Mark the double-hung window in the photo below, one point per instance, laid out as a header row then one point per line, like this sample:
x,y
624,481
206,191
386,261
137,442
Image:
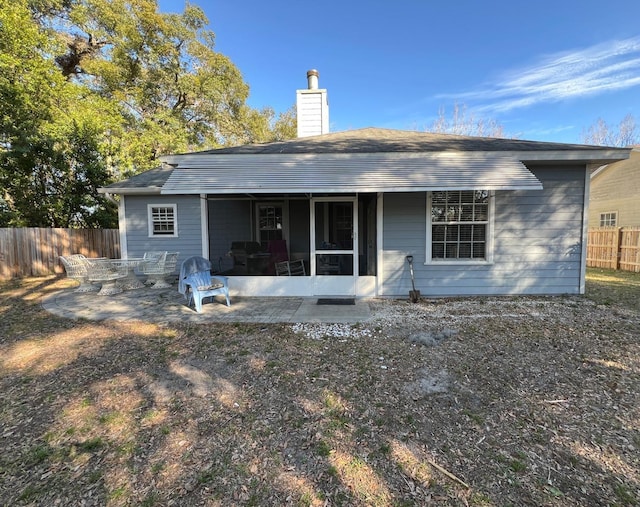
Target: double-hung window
x,y
162,220
460,225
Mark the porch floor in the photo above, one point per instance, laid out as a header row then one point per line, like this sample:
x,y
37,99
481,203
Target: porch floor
x,y
167,305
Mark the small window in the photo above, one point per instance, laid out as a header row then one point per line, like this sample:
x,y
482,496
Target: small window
x,y
608,219
459,225
269,222
162,220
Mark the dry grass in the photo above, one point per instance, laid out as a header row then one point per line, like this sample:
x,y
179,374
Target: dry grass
x,y
481,402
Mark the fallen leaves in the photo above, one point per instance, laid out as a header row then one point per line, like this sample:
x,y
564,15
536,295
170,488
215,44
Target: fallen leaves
x,y
478,401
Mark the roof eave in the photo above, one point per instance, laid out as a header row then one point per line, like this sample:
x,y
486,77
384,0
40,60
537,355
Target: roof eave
x,y
347,190
604,156
130,190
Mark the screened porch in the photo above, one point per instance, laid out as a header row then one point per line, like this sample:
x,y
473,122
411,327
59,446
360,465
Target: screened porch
x,y
328,235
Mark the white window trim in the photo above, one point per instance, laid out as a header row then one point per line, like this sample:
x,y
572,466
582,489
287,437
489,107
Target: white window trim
x,y
150,220
284,204
610,213
462,262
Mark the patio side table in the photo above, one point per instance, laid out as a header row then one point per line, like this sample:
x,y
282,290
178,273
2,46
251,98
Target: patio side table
x,y
107,274
127,266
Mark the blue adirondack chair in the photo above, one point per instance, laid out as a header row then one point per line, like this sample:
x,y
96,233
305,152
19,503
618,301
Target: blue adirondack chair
x,y
202,285
189,266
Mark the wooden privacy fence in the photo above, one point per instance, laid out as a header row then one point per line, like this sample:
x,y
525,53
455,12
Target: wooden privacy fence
x,y
34,252
614,248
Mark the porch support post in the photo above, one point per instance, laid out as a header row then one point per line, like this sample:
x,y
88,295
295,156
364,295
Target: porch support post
x,y
312,238
204,225
379,237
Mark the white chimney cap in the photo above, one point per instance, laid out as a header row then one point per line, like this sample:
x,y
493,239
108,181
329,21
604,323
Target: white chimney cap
x,y
312,79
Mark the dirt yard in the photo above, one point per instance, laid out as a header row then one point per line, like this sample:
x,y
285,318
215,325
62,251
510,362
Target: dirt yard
x,y
469,402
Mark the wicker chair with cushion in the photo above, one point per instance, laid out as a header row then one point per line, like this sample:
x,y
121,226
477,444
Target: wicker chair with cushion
x,y
203,285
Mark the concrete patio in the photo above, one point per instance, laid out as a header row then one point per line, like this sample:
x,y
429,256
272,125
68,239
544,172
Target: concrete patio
x,y
167,305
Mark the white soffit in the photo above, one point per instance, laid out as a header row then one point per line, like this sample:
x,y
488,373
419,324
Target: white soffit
x,y
333,173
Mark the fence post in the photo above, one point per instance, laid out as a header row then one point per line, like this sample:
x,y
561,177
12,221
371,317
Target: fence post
x,y
618,245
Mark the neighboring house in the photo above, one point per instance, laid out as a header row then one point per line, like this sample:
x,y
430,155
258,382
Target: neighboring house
x,y
479,216
614,198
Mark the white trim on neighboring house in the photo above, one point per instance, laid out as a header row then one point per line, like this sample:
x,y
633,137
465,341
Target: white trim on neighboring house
x,y
122,228
598,171
608,216
585,230
204,225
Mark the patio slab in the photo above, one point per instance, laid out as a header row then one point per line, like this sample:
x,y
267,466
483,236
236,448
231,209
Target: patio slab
x,y
167,305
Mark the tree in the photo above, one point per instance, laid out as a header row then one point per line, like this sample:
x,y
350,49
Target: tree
x,y
50,164
264,127
603,134
285,126
96,90
176,92
464,124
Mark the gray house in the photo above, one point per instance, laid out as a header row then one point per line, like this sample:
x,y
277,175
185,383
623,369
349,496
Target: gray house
x,y
480,216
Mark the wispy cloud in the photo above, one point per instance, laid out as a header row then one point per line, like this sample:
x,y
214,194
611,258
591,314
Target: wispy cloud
x,y
606,67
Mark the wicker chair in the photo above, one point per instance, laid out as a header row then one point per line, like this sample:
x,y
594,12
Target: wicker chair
x,y
77,267
159,266
203,285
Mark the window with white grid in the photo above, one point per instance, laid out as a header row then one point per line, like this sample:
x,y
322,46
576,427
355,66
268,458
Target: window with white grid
x,y
162,219
608,219
459,225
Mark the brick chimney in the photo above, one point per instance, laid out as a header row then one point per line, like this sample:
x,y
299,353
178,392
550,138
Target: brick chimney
x,y
312,108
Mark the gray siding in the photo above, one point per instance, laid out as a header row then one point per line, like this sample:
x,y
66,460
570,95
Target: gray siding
x,y
537,242
189,239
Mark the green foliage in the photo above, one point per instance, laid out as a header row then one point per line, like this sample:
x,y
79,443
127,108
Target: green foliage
x,y
92,91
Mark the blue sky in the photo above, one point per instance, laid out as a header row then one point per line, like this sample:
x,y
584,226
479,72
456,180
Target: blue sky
x,y
544,70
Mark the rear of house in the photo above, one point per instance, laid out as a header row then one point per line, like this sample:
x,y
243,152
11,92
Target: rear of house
x,y
479,216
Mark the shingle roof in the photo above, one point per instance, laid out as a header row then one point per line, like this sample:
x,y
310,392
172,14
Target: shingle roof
x,y
377,140
358,143
151,179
